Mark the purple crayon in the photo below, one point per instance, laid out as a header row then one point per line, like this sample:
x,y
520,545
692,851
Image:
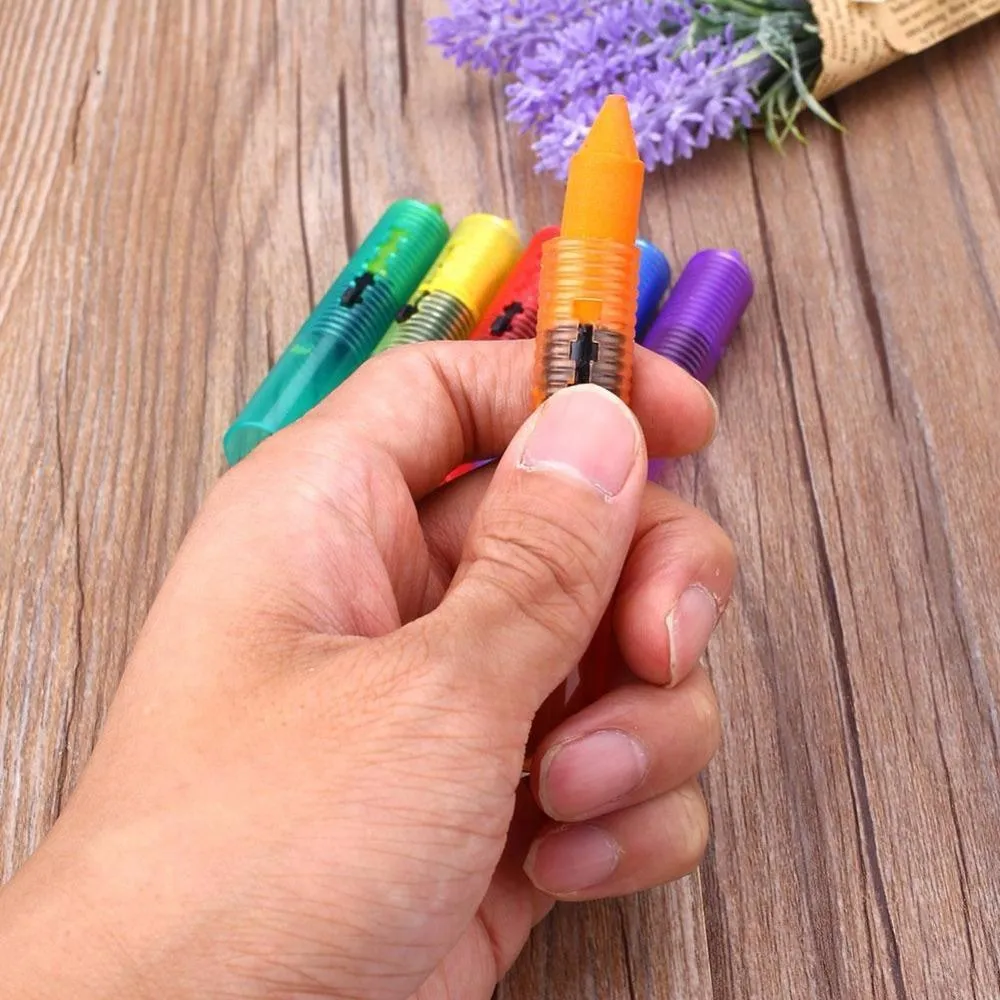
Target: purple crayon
x,y
701,314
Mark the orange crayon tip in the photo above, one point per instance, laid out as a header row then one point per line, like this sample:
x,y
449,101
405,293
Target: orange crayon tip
x,y
604,187
611,134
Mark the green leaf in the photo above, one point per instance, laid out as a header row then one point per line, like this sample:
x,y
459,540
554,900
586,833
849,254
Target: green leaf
x,y
805,95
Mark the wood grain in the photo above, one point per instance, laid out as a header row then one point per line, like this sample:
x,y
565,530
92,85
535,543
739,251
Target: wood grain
x,y
179,182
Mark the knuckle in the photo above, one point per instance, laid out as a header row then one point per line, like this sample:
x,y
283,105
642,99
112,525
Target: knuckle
x,y
405,362
449,381
451,377
709,540
687,532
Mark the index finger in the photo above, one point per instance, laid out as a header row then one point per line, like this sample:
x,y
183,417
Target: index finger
x,y
430,407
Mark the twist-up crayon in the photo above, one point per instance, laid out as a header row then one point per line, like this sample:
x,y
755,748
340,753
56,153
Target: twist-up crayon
x,y
699,318
589,279
513,313
514,310
348,322
459,286
702,312
654,280
586,327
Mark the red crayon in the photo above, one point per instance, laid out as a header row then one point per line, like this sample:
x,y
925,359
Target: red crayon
x,y
514,309
512,313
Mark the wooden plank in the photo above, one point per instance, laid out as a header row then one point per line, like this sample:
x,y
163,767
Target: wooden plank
x,y
779,791
651,946
41,613
163,232
939,699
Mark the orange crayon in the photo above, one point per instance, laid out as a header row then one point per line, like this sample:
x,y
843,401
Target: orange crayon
x,y
590,272
588,293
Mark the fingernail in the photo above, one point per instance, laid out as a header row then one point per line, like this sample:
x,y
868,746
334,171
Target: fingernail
x,y
715,415
571,859
582,777
587,433
689,627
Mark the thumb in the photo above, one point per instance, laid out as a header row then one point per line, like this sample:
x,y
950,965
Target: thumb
x,y
544,551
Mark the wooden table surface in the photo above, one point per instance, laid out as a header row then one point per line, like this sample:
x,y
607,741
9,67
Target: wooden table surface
x,y
180,181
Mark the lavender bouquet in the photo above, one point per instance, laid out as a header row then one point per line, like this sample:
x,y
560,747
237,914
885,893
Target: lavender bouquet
x,y
692,72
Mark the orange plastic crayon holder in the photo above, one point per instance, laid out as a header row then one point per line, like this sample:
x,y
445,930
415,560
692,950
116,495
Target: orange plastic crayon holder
x,y
586,316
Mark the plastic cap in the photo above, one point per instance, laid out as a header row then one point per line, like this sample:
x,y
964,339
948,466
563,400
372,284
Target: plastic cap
x,y
654,279
482,250
702,312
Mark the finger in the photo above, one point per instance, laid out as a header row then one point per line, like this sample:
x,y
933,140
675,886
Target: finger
x,y
328,501
445,517
638,848
544,549
432,406
634,744
675,585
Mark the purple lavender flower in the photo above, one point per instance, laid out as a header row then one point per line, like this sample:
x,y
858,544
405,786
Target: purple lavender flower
x,y
680,95
692,70
497,34
587,59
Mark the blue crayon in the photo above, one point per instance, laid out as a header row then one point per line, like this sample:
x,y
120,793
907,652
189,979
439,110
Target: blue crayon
x,y
654,279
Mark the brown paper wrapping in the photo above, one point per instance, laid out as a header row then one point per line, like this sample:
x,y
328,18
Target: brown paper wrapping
x,y
862,36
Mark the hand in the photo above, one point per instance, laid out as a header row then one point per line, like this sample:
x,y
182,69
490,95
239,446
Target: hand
x,y
309,783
